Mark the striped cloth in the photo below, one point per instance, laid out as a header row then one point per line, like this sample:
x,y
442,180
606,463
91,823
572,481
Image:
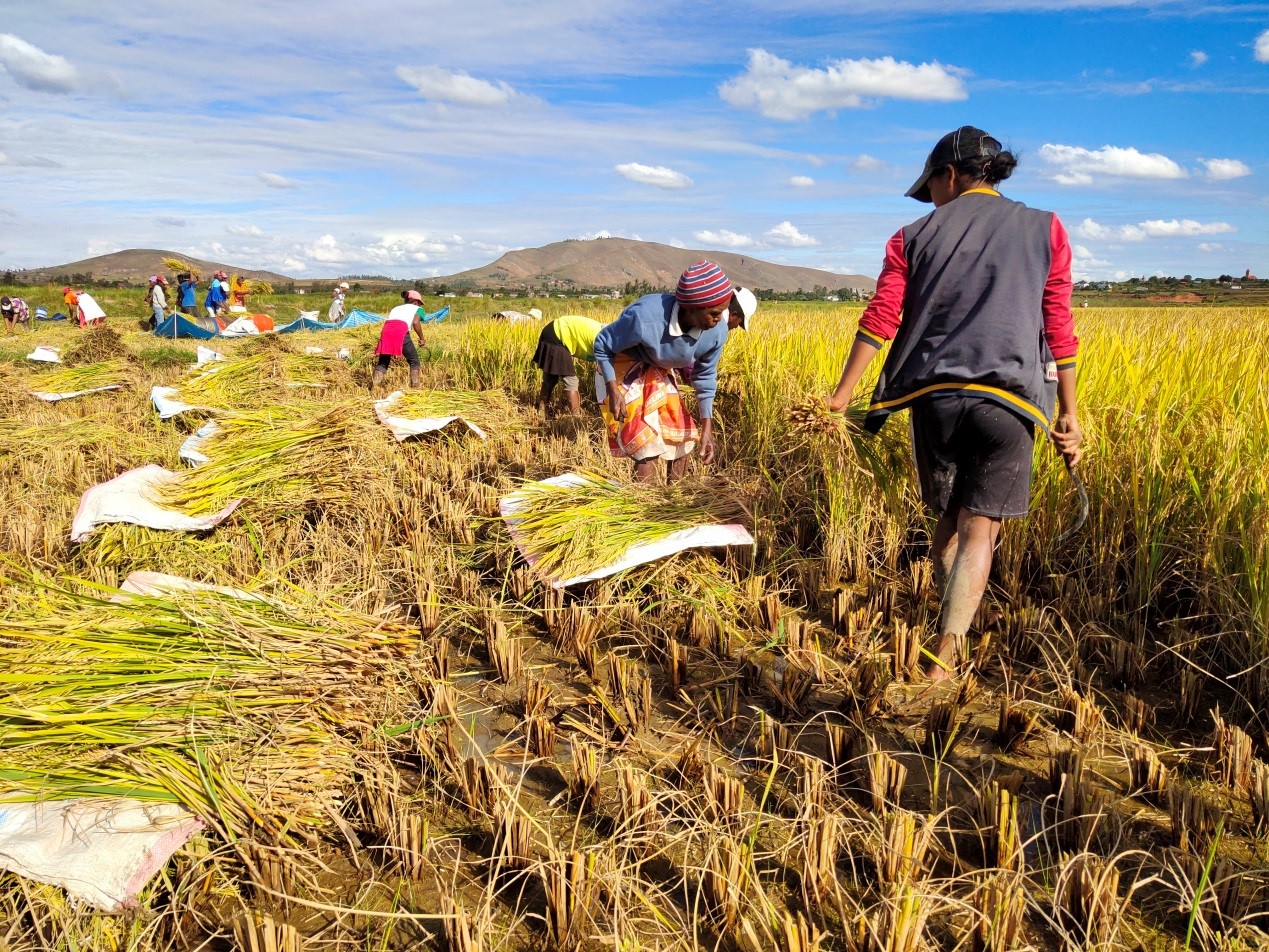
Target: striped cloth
x,y
703,285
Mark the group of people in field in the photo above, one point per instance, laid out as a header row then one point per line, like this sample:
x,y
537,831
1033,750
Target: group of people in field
x,y
220,295
975,300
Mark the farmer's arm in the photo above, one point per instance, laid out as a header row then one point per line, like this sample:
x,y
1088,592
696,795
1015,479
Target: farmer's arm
x,y
416,325
878,324
620,335
1059,334
705,383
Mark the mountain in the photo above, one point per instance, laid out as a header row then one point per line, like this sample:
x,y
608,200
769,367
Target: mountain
x,y
137,264
615,262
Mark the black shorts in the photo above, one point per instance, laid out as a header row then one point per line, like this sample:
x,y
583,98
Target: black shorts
x,y
408,351
974,454
552,357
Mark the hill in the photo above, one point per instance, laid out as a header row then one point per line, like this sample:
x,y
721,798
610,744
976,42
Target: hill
x,y
136,265
616,262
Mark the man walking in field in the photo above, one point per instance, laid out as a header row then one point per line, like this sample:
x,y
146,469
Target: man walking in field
x,y
977,299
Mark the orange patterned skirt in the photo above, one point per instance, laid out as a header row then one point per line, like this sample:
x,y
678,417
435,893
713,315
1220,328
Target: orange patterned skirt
x,y
656,423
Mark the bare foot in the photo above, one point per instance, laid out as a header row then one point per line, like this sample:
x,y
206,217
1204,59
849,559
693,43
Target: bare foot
x,y
944,665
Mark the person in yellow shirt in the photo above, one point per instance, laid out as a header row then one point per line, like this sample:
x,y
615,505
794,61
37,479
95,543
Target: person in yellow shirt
x,y
562,342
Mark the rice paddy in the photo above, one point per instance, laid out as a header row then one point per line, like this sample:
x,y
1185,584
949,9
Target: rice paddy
x,y
402,738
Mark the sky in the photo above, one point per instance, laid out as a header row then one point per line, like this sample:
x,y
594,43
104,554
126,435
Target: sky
x,y
417,139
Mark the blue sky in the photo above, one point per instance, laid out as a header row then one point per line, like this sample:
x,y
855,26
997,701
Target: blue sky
x,y
422,138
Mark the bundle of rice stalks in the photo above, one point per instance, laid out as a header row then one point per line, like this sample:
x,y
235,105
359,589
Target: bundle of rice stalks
x,y
178,266
570,530
99,343
259,287
811,418
248,381
488,409
243,710
108,373
272,456
812,415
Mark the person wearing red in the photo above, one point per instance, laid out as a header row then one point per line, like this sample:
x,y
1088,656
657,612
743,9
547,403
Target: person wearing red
x,y
394,338
976,297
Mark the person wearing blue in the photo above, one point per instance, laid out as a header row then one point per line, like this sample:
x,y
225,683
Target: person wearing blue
x,y
215,295
636,383
187,291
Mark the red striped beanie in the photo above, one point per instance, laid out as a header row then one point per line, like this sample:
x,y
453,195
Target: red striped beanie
x,y
703,285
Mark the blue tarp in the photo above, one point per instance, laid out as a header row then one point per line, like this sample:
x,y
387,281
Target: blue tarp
x,y
178,325
436,316
306,324
354,319
358,318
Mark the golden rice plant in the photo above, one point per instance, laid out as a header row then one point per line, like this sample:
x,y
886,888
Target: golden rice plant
x,y
491,410
107,373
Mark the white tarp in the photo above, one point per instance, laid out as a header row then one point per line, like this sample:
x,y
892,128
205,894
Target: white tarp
x,y
240,328
192,449
405,427
89,309
48,355
130,496
54,397
698,537
206,356
101,852
167,405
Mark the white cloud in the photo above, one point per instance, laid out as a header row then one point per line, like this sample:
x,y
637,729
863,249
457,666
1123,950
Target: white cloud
x,y
1156,228
389,250
1083,259
249,231
786,235
166,221
657,175
1221,170
676,243
802,181
723,239
291,264
1078,166
1197,58
31,67
456,87
867,164
273,180
779,90
1210,246
1262,47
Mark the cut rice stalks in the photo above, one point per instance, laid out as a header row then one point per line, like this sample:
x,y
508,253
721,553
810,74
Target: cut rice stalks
x,y
245,382
97,344
273,456
488,409
571,530
107,373
240,709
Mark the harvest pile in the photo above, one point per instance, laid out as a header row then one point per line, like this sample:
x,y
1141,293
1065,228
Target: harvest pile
x,y
412,742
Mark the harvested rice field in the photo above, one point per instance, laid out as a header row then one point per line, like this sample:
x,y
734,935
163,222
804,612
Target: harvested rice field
x,y
394,735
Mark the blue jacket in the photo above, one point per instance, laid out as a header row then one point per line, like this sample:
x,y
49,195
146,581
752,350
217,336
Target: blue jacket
x,y
215,296
187,294
643,331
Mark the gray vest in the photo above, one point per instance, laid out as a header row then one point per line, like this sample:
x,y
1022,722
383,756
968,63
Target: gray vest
x,y
973,320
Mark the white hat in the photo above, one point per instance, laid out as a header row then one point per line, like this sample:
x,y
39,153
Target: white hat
x,y
535,314
748,306
343,285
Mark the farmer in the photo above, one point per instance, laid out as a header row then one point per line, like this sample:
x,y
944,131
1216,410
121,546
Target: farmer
x,y
337,296
240,292
977,298
186,289
562,342
394,338
216,296
71,300
637,356
743,306
158,299
15,312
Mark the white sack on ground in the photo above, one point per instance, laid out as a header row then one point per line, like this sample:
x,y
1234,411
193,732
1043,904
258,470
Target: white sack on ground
x,y
165,402
206,356
240,328
192,449
101,852
405,427
129,498
698,537
46,354
54,397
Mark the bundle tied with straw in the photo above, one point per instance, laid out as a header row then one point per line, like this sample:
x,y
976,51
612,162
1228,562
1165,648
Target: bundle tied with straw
x,y
488,409
273,456
239,708
568,531
107,373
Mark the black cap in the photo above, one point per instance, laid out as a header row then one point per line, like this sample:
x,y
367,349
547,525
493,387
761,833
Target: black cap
x,y
967,142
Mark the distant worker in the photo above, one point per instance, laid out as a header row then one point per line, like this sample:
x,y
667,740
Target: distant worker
x,y
743,306
337,295
638,355
15,313
71,300
977,299
187,291
158,300
394,338
561,344
240,291
216,296
517,317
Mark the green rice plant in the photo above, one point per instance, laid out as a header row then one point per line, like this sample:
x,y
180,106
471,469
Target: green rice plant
x,y
569,530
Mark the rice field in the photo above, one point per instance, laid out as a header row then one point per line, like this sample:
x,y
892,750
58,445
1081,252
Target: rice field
x,y
403,739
